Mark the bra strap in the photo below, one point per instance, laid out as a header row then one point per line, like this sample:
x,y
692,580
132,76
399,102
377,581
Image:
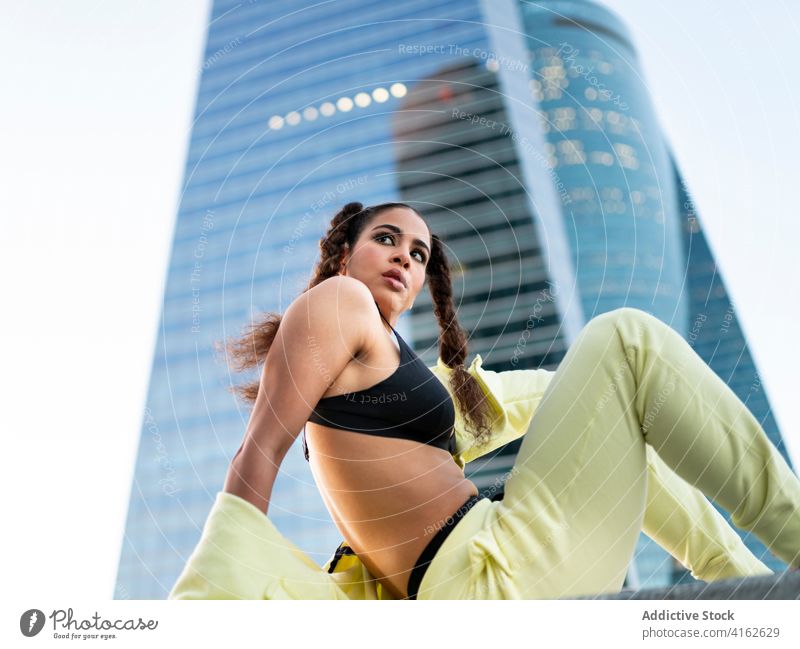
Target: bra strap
x,y
384,319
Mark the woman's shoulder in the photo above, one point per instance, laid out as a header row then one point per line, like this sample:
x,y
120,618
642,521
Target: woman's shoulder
x,y
342,284
341,293
339,299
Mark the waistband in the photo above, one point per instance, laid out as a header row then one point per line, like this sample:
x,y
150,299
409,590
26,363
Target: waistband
x,y
425,558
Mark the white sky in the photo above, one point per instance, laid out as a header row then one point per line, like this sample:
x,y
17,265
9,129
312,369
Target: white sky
x,y
96,112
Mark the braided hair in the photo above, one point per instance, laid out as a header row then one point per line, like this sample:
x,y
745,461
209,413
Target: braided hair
x,y
250,350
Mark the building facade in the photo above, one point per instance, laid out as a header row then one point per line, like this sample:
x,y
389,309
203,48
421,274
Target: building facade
x,y
635,235
476,113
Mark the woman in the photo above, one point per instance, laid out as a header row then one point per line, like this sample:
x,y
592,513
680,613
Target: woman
x,y
380,433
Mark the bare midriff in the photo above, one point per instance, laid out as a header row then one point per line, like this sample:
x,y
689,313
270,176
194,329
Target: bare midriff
x,y
387,496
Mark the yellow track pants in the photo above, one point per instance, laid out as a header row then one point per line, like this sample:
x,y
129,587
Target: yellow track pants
x,y
577,496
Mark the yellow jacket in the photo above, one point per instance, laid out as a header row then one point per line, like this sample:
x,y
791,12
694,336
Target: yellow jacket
x,y
242,555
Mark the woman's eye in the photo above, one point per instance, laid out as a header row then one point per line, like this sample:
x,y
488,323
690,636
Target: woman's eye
x,y
391,238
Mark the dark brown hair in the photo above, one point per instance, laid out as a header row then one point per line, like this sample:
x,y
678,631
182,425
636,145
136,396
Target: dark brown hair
x,y
250,350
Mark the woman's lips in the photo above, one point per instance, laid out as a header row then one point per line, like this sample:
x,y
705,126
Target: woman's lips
x,y
394,283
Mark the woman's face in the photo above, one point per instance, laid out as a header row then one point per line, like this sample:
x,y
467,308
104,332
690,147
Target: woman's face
x,y
396,240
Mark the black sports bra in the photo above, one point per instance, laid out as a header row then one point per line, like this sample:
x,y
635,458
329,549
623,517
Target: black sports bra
x,y
410,404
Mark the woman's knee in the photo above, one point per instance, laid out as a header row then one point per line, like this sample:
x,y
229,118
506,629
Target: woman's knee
x,y
625,314
627,323
619,334
607,325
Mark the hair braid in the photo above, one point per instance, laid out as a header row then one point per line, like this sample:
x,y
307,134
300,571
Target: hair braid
x,y
453,345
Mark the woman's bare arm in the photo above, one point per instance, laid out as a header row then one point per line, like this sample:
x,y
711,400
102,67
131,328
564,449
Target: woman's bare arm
x,y
320,332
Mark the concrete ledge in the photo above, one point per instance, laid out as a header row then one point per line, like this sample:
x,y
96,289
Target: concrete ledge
x,y
782,585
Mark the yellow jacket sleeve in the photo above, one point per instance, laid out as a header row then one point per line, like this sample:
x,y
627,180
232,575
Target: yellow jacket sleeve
x,y
513,395
242,555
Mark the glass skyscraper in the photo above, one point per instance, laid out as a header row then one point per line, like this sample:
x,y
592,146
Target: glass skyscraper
x,y
635,236
555,205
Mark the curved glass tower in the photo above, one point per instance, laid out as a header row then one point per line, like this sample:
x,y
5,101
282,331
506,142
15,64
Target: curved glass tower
x,y
522,131
606,147
635,237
